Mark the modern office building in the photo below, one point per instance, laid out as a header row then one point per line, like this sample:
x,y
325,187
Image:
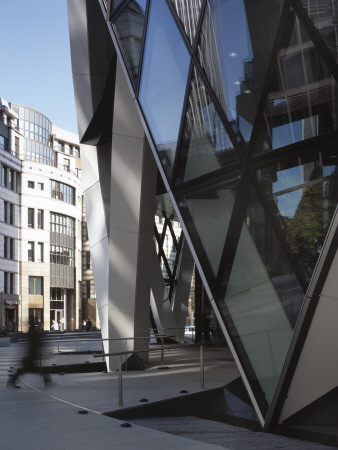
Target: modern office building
x,y
41,221
224,112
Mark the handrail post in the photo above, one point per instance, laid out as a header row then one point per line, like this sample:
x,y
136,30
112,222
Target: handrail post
x,y
120,381
201,366
162,351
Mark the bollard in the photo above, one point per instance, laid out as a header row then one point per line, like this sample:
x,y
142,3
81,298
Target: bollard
x,y
202,367
120,381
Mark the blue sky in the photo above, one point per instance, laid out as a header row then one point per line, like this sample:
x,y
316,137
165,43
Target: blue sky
x,y
35,58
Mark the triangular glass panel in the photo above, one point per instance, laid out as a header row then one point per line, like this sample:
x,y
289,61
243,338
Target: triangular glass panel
x,y
129,27
163,84
304,191
262,301
324,16
234,50
205,145
188,12
207,214
302,101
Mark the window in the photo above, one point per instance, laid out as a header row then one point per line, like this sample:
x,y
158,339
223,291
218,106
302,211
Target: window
x,y
11,283
11,213
66,164
31,184
4,175
11,179
62,224
30,251
62,192
6,282
88,288
35,285
77,152
3,143
88,260
40,252
5,211
11,248
62,255
40,219
31,217
8,247
6,244
17,142
40,186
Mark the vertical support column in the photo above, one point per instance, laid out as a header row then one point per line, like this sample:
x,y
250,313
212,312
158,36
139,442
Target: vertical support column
x,y
132,209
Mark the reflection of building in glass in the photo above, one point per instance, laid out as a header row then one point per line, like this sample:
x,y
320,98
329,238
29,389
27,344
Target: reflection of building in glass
x,y
42,213
237,101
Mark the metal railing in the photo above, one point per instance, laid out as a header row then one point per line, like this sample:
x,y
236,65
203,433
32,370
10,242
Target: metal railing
x,y
120,354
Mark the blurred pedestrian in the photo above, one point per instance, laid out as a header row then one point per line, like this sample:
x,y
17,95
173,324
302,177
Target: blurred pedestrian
x,y
89,324
32,360
55,325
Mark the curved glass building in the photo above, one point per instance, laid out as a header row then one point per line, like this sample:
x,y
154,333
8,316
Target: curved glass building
x,y
238,102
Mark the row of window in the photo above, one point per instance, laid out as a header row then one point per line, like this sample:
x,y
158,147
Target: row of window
x,y
67,148
60,223
64,192
35,287
34,131
38,220
39,186
62,255
9,210
9,178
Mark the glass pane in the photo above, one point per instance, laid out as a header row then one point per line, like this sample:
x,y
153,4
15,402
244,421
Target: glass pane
x,y
163,82
188,11
208,213
129,29
205,145
261,325
305,193
302,100
234,52
324,15
31,286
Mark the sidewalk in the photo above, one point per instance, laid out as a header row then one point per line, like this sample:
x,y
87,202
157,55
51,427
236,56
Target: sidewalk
x,y
68,415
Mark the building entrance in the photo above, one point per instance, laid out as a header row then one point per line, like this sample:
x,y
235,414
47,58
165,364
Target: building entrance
x,y
58,316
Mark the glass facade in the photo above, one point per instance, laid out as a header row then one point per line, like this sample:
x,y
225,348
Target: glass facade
x,y
240,101
163,80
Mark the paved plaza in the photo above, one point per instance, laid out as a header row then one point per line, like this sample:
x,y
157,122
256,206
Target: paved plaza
x,y
69,414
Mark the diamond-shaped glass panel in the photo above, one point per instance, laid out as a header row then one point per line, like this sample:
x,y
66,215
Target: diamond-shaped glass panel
x,y
302,102
207,214
234,50
262,300
163,82
188,11
129,27
305,193
324,15
205,144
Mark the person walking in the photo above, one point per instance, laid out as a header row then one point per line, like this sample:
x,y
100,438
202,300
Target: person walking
x,y
33,355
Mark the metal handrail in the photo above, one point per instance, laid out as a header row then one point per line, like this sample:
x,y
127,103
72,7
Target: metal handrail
x,y
120,354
